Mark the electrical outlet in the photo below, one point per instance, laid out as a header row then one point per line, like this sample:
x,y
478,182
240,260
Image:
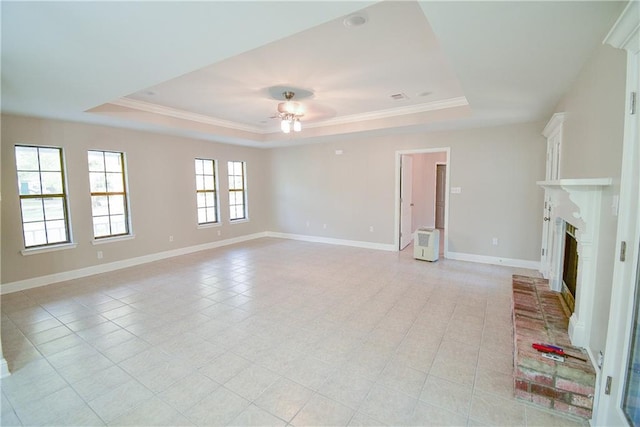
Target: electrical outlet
x,y
371,229
456,190
219,232
171,238
99,254
494,241
324,226
308,223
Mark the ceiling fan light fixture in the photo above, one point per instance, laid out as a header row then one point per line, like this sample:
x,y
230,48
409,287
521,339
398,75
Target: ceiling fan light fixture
x,y
290,113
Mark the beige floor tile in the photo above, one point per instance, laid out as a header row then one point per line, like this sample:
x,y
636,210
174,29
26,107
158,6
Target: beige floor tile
x,y
494,410
284,398
50,407
119,400
322,411
224,367
538,417
429,415
346,387
252,381
388,406
254,416
152,412
101,382
498,383
219,408
362,420
188,391
402,377
447,395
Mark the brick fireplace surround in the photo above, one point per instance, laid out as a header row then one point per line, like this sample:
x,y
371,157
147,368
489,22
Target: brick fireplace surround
x,y
539,317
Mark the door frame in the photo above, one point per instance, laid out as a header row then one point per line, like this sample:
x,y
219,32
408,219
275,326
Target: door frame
x,y
608,407
398,156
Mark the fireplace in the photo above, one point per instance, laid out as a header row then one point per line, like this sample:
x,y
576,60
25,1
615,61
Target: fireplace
x,y
575,213
570,268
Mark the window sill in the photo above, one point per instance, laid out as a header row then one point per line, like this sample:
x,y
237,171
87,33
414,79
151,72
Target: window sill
x,y
209,225
238,221
112,239
44,249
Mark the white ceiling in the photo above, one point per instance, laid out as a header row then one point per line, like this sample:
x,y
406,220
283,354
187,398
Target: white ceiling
x,y
204,69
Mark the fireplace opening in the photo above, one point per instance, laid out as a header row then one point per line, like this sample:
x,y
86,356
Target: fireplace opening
x,y
570,267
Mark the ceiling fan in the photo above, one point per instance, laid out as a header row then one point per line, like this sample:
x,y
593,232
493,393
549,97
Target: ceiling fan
x,y
289,113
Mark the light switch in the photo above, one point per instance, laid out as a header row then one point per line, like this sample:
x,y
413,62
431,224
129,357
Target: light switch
x,y
456,190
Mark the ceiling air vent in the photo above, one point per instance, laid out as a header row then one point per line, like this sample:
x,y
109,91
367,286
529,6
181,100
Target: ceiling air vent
x,y
399,96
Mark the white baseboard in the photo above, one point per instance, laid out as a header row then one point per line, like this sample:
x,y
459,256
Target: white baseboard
x,y
35,282
483,259
331,241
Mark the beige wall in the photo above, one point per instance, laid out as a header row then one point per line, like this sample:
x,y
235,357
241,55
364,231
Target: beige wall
x,y
161,189
592,148
424,188
496,168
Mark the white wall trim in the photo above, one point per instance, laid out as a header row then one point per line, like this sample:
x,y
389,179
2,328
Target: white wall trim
x,y
35,282
332,241
484,259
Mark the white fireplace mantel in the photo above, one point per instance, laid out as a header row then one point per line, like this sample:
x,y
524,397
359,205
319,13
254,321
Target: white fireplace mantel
x,y
579,203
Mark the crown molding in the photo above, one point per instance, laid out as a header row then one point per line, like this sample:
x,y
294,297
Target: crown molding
x,y
625,33
183,114
393,112
373,115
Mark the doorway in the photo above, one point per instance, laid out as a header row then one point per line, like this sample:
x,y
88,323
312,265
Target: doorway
x,y
421,194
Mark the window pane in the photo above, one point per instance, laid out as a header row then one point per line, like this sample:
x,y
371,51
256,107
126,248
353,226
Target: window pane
x,y
199,182
231,182
96,161
202,215
199,167
240,212
32,210
210,199
112,162
101,226
208,182
238,184
116,205
208,167
54,209
50,159
211,215
118,225
97,182
34,234
26,158
29,183
200,200
114,183
56,231
51,183
99,205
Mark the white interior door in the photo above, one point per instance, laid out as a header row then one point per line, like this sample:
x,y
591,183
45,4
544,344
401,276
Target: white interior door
x,y
406,203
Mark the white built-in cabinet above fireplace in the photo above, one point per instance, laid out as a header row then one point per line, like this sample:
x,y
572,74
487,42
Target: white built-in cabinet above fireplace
x,y
577,202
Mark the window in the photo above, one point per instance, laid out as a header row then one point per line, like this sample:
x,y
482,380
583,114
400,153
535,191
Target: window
x,y
237,191
206,192
108,194
43,198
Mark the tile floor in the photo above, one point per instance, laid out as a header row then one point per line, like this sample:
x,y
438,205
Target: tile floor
x,y
269,332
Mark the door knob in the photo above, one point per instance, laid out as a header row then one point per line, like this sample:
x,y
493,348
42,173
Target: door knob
x,y
546,218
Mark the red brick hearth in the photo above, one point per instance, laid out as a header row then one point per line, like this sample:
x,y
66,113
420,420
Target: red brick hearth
x,y
538,317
